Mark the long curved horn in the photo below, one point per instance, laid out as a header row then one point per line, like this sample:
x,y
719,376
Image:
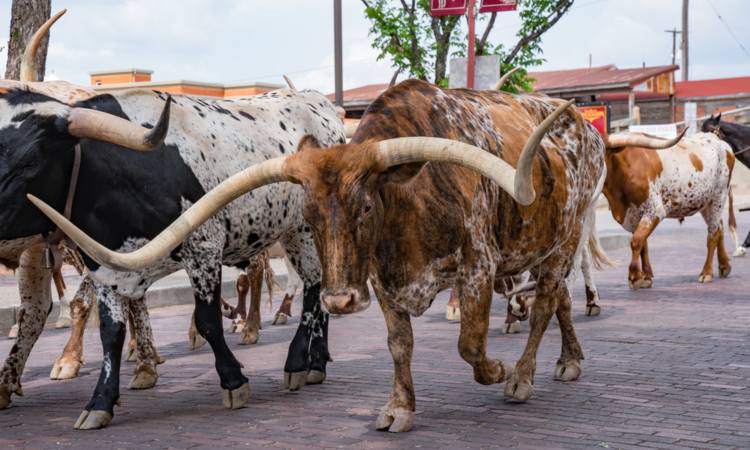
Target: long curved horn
x,y
28,68
517,182
267,172
639,140
291,85
93,124
504,79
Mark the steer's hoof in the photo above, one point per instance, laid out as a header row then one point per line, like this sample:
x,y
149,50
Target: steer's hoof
x,y
13,333
512,328
568,370
705,278
249,337
145,377
93,420
395,420
63,322
65,368
196,341
593,310
724,271
739,252
517,391
294,380
315,377
236,398
280,318
452,313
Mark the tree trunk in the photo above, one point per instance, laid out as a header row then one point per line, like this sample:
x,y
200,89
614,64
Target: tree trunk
x,y
25,18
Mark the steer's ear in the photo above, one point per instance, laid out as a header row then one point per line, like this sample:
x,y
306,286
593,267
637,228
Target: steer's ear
x,y
402,173
308,141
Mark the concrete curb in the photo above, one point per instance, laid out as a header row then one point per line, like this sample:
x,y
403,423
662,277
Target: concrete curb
x,y
156,297
159,297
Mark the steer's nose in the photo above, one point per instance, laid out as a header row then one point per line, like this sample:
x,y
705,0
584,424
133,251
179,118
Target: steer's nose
x,y
339,303
344,301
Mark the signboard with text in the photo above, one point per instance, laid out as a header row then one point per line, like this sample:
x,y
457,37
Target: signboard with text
x,y
596,113
488,6
447,7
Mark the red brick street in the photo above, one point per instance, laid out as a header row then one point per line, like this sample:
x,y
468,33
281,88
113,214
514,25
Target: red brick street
x,y
667,367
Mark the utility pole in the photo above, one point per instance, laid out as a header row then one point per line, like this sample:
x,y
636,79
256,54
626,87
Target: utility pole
x,y
338,51
674,43
471,56
685,49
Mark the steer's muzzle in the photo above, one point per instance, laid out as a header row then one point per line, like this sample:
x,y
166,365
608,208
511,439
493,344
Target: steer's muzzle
x,y
345,301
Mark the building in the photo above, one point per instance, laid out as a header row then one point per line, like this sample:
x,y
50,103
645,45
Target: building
x,y
653,90
116,80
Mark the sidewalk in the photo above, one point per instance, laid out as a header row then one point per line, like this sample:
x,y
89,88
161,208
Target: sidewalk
x,y
172,290
175,289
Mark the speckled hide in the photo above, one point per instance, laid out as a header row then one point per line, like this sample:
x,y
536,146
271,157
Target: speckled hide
x,y
124,198
416,229
645,186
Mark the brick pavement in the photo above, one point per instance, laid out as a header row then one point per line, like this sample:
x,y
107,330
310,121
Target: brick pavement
x,y
666,368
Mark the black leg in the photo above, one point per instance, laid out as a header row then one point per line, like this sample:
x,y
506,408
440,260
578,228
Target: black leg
x,y
100,409
746,244
208,321
308,352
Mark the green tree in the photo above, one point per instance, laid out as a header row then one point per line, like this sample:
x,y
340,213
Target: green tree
x,y
420,45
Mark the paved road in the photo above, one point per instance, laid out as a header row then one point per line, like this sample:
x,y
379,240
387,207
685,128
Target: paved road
x,y
666,368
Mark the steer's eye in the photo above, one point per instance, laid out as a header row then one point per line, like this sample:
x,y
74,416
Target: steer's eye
x,y
367,209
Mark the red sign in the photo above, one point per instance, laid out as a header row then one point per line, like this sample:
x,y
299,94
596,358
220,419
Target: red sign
x,y
597,115
486,6
447,7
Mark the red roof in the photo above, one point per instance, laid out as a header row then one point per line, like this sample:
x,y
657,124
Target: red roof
x,y
710,88
602,77
366,93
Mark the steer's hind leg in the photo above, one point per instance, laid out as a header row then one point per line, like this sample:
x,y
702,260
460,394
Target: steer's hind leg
x,y
592,295
71,360
251,328
472,340
715,240
550,288
636,278
398,414
144,375
568,367
308,352
100,409
36,302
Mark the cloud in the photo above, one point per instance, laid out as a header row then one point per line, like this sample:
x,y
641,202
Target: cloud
x,y
238,40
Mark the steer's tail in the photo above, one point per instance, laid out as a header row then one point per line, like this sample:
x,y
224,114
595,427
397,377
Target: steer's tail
x,y
732,220
598,256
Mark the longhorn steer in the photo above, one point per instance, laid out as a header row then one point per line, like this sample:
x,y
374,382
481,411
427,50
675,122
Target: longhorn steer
x,y
377,209
644,187
35,300
738,137
125,197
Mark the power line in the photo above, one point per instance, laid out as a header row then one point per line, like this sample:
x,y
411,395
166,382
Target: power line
x,y
729,29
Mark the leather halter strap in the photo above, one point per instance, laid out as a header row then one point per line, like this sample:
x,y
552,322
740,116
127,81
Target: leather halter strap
x,y
57,236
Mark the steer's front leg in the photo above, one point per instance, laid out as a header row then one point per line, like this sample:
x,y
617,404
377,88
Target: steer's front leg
x,y
398,414
112,313
308,352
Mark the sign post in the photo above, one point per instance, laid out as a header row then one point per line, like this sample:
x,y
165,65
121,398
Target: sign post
x,y
459,7
472,44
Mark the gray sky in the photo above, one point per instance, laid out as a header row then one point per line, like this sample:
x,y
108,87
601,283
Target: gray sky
x,y
258,40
